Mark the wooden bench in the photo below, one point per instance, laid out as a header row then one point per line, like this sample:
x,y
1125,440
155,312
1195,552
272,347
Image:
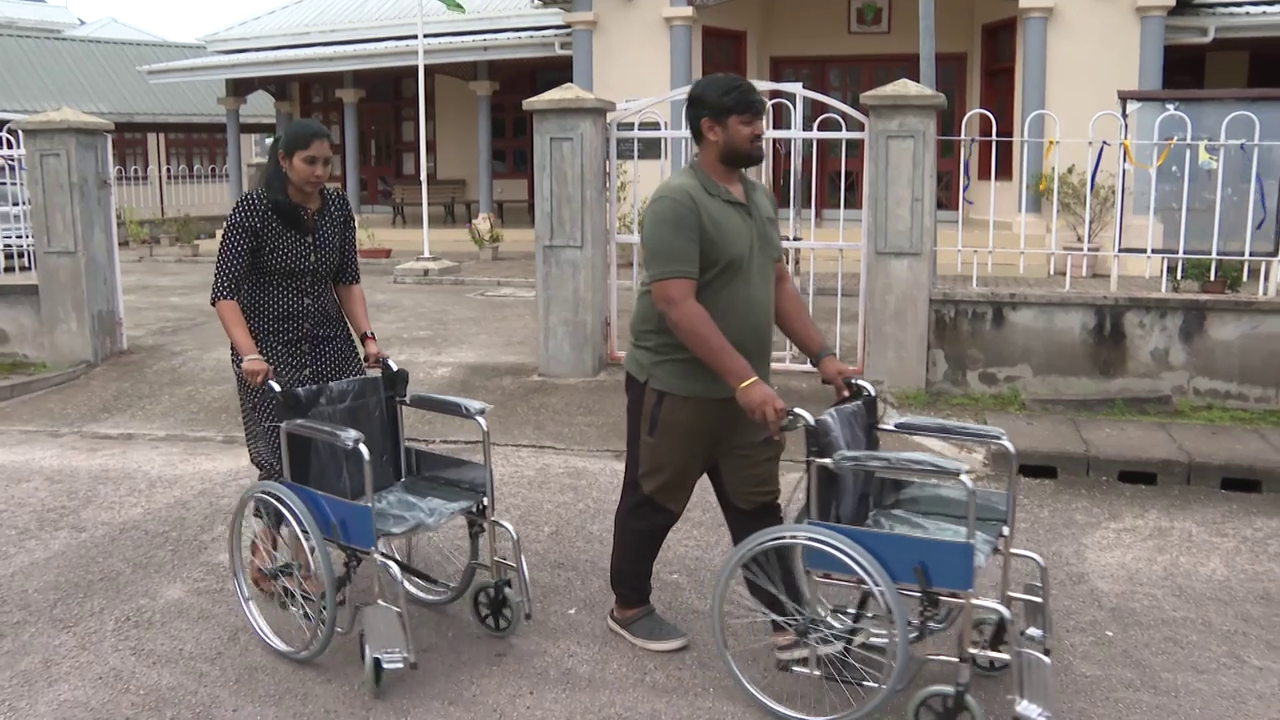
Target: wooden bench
x,y
444,194
498,205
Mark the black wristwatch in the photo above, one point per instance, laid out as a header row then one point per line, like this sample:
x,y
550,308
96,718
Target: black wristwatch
x,y
823,354
366,336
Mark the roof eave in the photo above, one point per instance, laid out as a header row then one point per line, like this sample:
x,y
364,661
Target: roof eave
x,y
373,60
366,32
1199,29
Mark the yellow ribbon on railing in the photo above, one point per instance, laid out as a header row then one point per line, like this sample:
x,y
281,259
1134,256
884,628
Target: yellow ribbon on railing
x,y
1048,150
1128,153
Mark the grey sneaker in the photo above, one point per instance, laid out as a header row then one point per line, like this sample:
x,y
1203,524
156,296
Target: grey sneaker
x,y
822,644
647,629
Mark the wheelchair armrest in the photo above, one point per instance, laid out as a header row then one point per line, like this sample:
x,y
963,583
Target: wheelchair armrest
x,y
949,428
447,405
344,437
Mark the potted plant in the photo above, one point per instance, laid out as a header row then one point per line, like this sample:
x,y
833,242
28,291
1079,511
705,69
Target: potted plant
x,y
367,243
184,231
1087,206
485,235
165,232
627,221
134,233
1228,277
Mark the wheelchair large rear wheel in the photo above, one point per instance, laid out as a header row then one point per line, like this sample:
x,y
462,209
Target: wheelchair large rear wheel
x,y
296,586
846,664
446,555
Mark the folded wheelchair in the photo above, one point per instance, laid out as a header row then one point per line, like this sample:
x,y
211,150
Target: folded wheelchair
x,y
353,490
879,529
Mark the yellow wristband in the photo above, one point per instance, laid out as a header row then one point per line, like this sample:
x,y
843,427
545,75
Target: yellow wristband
x,y
749,381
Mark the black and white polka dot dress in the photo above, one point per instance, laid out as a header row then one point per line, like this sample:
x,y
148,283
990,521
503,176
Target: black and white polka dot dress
x,y
281,263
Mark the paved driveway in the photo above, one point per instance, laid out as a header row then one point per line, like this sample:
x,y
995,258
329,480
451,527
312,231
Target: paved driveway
x,y
118,603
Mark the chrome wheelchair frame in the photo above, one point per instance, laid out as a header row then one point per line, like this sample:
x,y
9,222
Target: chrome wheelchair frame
x,y
886,565
317,520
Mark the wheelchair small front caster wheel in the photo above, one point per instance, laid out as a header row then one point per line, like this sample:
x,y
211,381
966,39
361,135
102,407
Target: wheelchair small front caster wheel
x,y
495,607
372,668
989,634
938,701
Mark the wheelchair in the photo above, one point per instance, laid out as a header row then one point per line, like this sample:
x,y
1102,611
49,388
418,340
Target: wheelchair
x,y
888,528
354,488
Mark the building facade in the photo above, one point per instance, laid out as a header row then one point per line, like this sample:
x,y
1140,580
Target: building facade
x,y
354,64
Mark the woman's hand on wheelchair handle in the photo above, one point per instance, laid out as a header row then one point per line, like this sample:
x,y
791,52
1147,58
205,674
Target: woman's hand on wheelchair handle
x,y
372,355
256,371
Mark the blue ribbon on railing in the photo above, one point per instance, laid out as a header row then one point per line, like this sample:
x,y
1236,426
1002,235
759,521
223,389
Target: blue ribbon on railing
x,y
964,190
1097,165
1257,183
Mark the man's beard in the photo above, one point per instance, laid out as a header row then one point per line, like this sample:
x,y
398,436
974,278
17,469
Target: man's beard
x,y
742,159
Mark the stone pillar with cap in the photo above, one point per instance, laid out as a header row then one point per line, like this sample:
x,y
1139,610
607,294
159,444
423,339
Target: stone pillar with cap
x,y
69,179
899,231
570,232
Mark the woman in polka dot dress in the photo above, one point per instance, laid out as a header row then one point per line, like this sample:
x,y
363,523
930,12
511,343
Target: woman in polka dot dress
x,y
287,291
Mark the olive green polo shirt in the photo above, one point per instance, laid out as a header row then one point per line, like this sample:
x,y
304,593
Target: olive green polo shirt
x,y
694,228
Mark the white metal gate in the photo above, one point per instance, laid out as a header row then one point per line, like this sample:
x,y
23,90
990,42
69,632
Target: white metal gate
x,y
813,163
17,246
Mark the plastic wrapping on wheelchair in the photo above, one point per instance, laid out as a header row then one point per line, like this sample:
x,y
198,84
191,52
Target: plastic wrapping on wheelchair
x,y
916,507
366,405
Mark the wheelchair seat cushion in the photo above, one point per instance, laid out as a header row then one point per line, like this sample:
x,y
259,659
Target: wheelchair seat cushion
x,y
918,507
416,506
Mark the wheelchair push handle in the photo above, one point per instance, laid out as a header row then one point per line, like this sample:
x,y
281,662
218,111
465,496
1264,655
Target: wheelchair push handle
x,y
857,387
388,366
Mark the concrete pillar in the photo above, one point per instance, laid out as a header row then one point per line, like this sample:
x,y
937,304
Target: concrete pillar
x,y
583,22
69,178
899,231
484,88
351,98
572,241
235,159
284,115
1153,14
680,17
1035,61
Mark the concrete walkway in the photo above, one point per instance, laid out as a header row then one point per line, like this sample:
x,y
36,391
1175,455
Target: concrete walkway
x,y
116,584
1139,452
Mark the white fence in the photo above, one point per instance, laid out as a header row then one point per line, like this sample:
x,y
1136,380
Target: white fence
x,y
1180,209
155,192
17,246
800,125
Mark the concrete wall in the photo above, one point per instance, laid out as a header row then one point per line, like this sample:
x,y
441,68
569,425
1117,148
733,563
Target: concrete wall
x,y
1049,344
20,333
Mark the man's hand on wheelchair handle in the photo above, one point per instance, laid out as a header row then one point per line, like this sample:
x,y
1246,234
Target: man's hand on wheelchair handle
x,y
762,405
834,372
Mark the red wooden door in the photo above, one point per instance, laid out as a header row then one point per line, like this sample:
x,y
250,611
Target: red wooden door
x,y
378,159
999,56
844,79
724,51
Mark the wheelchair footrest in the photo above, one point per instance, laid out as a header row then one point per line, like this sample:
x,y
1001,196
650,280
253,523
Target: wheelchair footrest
x,y
1035,700
384,635
1034,612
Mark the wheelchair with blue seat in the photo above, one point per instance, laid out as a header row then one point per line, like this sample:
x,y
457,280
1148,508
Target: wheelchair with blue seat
x,y
884,528
353,489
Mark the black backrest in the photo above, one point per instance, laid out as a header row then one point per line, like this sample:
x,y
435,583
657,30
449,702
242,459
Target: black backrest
x,y
845,496
364,404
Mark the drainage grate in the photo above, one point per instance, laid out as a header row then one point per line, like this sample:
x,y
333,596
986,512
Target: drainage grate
x,y
1249,486
1038,472
1136,477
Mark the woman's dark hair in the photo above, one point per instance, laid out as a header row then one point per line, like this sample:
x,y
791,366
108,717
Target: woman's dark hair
x,y
297,136
720,96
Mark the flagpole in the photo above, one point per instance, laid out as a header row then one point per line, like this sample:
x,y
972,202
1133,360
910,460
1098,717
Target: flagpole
x,y
422,126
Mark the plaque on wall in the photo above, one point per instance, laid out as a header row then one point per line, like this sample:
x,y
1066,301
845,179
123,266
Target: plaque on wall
x,y
640,148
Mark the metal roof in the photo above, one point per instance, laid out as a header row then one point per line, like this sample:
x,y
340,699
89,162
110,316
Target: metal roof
x,y
99,76
36,14
363,56
310,22
1228,8
109,27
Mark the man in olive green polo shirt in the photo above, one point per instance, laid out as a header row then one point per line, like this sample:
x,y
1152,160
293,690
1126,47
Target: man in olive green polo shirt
x,y
698,395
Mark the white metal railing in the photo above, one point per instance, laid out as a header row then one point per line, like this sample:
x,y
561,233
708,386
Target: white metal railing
x,y
17,245
171,191
1150,203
